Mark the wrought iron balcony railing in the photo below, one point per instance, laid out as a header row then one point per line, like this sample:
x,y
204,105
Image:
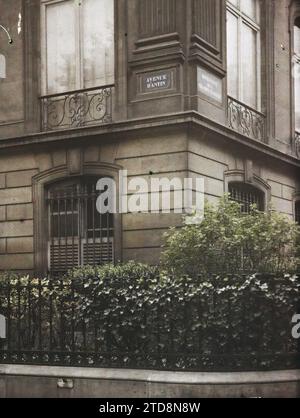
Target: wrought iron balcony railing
x,y
77,108
297,143
246,120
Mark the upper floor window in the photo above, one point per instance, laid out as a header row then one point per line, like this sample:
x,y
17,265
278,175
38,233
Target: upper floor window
x,y
247,196
296,61
78,44
243,51
77,233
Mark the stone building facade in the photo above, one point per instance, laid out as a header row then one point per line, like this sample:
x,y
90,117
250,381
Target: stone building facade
x,y
170,88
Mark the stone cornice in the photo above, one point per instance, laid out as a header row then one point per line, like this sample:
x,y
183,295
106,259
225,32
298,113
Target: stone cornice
x,y
191,119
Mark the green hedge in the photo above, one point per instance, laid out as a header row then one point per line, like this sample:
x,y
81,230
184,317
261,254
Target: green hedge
x,y
134,316
235,322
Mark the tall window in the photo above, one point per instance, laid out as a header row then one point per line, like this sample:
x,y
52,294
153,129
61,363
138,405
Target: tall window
x,y
243,51
78,39
247,196
77,234
296,63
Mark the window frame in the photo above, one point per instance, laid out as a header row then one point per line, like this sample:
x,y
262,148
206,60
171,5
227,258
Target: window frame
x,y
248,188
294,56
242,19
59,194
41,182
79,70
248,177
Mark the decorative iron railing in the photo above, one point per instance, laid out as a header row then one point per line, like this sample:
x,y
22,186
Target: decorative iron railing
x,y
297,143
47,325
246,120
77,108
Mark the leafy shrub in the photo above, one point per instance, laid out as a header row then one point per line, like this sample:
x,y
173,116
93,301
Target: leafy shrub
x,y
151,320
229,241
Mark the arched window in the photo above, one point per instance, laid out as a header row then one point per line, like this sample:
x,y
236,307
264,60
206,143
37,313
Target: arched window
x,y
247,195
297,212
296,72
77,233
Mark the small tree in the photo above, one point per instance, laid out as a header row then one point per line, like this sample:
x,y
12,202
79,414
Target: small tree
x,y
229,241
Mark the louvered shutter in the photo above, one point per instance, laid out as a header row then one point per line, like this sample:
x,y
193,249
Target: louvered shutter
x,y
97,253
63,256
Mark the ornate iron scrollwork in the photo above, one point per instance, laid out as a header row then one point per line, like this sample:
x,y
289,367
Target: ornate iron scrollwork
x,y
246,120
77,109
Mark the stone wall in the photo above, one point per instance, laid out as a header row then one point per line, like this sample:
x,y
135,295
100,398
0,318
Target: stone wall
x,y
213,158
161,153
60,382
16,211
143,156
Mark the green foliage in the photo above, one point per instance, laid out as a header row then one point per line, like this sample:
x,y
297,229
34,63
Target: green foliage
x,y
229,241
132,315
150,319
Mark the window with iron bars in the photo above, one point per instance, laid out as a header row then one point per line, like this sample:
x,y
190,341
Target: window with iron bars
x,y
247,196
78,233
297,212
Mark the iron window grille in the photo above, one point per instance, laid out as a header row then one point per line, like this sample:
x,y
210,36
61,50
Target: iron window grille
x,y
247,196
78,233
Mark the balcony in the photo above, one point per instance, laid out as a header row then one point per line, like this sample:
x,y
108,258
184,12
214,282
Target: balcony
x,y
77,108
245,120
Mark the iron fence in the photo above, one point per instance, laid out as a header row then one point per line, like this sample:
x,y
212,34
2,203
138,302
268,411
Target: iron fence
x,y
77,108
43,327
